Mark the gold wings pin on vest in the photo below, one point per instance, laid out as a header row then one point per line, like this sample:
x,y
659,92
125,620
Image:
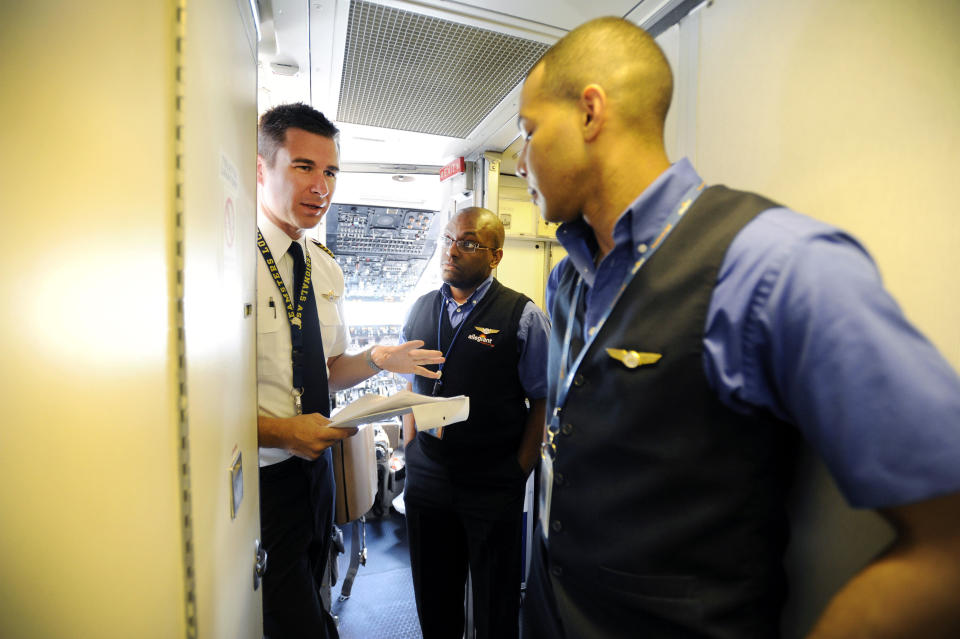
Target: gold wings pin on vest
x,y
632,359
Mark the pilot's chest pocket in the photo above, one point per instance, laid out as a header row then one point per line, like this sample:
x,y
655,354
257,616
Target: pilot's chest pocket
x,y
273,329
271,326
330,322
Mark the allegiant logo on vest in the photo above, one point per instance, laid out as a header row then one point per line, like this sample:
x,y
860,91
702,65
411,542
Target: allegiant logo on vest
x,y
482,337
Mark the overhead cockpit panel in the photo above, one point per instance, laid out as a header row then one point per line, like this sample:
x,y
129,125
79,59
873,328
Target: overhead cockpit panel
x,y
382,250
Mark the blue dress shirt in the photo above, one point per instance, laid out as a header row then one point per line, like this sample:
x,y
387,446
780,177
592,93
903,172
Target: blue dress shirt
x,y
799,325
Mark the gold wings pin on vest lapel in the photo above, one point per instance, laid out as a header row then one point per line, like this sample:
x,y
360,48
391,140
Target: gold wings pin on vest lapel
x,y
632,359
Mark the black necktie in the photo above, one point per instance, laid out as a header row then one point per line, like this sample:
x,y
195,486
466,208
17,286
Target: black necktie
x,y
309,363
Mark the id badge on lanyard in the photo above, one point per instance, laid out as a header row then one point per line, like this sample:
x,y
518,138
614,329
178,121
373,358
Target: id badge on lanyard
x,y
546,493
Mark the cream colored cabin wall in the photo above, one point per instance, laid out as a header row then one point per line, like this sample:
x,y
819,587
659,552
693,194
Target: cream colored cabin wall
x,y
88,452
849,112
219,160
530,241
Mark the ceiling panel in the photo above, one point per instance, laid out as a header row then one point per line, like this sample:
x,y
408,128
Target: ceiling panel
x,y
418,81
561,14
413,72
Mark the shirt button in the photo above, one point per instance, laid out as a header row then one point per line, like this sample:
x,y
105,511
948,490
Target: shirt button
x,y
567,429
556,526
642,248
559,479
556,571
578,380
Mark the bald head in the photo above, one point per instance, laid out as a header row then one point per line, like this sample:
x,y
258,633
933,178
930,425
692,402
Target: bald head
x,y
620,57
465,267
486,222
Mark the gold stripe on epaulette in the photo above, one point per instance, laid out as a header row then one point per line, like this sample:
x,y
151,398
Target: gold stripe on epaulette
x,y
324,248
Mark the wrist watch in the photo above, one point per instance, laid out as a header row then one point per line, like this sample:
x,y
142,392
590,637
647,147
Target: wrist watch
x,y
369,357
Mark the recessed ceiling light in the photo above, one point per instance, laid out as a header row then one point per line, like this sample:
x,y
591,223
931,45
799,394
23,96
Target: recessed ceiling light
x,y
403,178
285,67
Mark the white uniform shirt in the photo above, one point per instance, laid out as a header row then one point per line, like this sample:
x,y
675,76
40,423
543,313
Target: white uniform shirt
x,y
274,367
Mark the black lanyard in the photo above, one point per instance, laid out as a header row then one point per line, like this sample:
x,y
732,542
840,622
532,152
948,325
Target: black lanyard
x,y
294,315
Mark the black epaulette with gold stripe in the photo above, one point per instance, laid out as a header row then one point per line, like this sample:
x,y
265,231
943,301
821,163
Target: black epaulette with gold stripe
x,y
324,248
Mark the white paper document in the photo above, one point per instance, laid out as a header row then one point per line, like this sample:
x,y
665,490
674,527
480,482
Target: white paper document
x,y
429,412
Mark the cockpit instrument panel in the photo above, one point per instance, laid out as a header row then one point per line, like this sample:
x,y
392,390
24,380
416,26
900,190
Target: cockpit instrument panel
x,y
382,250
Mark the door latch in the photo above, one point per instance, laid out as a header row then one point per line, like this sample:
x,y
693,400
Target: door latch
x,y
259,563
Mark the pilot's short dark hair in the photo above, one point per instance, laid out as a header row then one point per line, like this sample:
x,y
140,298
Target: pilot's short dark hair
x,y
272,131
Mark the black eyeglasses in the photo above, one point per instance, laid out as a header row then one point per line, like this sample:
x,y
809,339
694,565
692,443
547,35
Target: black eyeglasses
x,y
465,246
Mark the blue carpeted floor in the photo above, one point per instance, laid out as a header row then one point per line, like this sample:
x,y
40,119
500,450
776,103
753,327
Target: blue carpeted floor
x,y
381,604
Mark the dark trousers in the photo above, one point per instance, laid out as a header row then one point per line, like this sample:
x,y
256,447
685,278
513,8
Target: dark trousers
x,y
540,619
452,526
296,519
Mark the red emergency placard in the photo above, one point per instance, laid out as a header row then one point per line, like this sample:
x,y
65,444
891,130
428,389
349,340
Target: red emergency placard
x,y
456,167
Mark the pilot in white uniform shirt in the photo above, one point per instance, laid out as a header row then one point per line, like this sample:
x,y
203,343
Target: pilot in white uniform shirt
x,y
274,370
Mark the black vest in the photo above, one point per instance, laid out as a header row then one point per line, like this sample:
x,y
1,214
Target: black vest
x,y
481,364
667,517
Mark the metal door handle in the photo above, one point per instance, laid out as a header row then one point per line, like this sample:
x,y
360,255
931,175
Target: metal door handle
x,y
259,563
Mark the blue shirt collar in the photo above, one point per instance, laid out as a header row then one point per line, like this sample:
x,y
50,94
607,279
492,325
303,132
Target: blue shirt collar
x,y
637,225
475,297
